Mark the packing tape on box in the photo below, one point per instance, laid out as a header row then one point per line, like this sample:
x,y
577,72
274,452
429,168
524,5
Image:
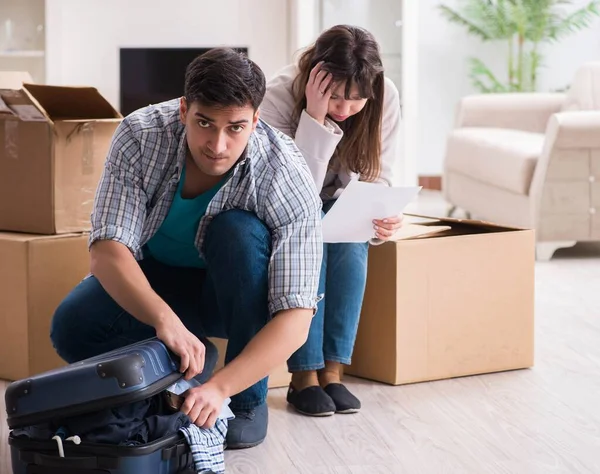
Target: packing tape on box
x,y
11,139
87,145
87,155
4,109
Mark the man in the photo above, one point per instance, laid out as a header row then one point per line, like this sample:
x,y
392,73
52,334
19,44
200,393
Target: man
x,y
206,223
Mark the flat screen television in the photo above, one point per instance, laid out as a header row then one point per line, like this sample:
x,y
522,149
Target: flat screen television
x,y
152,75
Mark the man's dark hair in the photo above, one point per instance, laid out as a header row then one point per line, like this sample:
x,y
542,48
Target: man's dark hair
x,y
223,77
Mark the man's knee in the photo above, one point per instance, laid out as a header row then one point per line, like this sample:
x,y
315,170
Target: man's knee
x,y
236,222
64,329
239,232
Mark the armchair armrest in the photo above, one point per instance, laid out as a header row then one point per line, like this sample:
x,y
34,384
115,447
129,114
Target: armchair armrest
x,y
528,112
574,130
571,139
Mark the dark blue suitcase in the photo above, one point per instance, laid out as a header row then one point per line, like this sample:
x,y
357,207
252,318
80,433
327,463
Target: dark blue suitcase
x,y
128,375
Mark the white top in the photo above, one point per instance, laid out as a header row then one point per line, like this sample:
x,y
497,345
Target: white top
x,y
318,143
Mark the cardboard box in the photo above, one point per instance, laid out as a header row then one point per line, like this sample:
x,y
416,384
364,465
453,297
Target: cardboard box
x,y
53,144
280,378
36,274
456,302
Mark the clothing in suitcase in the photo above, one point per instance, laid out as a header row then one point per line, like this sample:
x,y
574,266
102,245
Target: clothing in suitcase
x,y
109,414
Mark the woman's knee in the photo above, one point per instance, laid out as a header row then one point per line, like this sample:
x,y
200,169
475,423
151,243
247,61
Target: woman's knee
x,y
348,256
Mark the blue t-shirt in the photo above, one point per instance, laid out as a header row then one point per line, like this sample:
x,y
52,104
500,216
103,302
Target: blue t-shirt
x,y
173,243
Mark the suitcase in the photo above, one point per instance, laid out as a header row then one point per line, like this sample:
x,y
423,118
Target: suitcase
x,y
125,376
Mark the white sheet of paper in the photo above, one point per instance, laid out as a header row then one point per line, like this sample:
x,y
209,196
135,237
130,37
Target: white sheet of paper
x,y
350,219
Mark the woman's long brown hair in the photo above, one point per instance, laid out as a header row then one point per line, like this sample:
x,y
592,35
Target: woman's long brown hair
x,y
350,54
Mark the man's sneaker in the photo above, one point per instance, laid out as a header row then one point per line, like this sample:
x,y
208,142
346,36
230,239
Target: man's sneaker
x,y
248,428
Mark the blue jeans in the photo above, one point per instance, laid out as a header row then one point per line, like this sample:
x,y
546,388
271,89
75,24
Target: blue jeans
x,y
333,328
229,299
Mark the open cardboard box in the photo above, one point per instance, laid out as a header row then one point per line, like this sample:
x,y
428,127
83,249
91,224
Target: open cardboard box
x,y
53,144
455,299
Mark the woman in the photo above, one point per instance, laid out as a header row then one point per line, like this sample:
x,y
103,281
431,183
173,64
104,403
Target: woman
x,y
345,118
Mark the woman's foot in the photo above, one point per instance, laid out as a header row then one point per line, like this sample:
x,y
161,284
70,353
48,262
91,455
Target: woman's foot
x,y
307,397
305,379
329,378
330,373
345,402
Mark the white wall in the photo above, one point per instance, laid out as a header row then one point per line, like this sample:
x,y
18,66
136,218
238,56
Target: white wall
x,y
410,91
380,17
304,24
443,73
83,37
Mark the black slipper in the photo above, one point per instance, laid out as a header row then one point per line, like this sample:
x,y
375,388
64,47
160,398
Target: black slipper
x,y
311,401
344,401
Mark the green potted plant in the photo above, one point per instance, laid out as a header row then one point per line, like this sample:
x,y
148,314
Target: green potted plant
x,y
524,25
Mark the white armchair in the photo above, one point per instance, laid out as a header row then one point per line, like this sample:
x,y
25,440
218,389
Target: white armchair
x,y
531,160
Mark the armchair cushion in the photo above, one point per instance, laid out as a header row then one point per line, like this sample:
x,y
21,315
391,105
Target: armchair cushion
x,y
499,157
528,112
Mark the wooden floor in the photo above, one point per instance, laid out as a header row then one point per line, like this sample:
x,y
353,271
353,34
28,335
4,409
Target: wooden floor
x,y
539,421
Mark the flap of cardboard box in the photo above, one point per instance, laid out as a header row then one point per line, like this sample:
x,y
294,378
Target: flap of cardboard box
x,y
11,83
24,237
71,103
14,79
415,231
430,220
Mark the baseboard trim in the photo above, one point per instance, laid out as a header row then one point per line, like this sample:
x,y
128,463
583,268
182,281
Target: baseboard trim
x,y
431,182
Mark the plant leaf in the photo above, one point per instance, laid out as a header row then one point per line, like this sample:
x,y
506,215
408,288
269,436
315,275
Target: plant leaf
x,y
492,16
581,18
483,78
532,63
539,14
469,23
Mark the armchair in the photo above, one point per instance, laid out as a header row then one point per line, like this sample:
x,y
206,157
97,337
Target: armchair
x,y
531,160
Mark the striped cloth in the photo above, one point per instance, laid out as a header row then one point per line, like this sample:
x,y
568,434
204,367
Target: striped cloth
x,y
207,446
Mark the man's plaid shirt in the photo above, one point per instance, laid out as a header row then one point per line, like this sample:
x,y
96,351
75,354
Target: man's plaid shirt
x,y
271,180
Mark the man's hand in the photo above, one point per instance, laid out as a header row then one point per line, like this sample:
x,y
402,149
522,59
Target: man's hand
x,y
123,279
386,228
183,343
203,404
